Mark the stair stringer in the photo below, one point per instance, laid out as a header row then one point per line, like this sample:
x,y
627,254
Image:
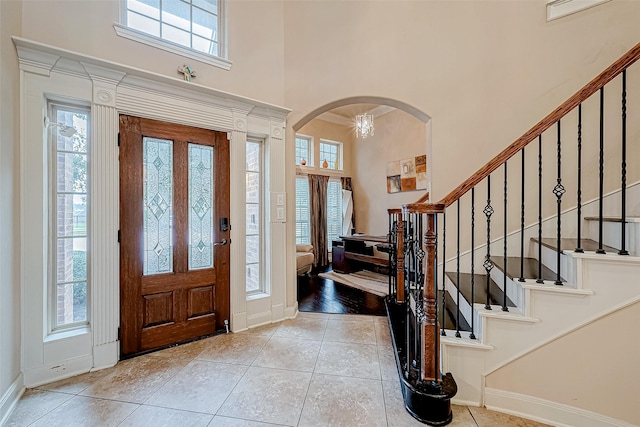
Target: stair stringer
x,y
550,311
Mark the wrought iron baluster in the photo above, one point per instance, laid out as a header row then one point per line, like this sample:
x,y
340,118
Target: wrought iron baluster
x,y
458,274
444,274
579,245
521,279
539,279
488,265
623,249
473,272
504,244
600,249
559,190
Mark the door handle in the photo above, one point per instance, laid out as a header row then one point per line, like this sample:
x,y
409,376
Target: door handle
x,y
221,243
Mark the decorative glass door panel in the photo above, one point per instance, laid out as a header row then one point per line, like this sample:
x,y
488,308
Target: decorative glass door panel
x,y
158,203
201,206
174,260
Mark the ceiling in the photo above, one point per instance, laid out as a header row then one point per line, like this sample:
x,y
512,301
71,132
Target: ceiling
x,y
346,115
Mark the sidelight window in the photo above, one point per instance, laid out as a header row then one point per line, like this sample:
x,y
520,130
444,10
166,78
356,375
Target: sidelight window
x,y
69,128
254,217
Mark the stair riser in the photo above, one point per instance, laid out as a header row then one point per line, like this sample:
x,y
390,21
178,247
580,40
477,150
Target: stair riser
x,y
612,236
550,260
515,292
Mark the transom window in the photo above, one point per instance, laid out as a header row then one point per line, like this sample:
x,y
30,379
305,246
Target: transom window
x,y
192,28
330,154
304,150
69,132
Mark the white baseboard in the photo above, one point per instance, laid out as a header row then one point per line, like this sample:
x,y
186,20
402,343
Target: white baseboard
x,y
239,321
10,398
546,411
259,319
105,355
291,312
58,371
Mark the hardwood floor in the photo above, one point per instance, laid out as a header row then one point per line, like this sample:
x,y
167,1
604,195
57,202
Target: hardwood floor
x,y
317,294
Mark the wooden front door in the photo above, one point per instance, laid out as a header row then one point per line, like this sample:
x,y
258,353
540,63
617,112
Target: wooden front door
x,y
174,233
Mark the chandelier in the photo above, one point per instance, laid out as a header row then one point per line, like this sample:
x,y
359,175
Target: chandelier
x,y
364,125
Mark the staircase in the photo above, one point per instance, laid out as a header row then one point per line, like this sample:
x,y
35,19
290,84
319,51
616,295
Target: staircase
x,y
527,267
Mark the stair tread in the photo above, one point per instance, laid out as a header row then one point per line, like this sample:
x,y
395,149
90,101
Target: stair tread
x,y
450,317
630,218
530,268
496,296
570,244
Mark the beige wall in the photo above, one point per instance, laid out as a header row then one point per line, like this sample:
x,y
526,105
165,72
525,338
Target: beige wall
x,y
557,370
9,198
483,71
398,136
322,129
256,44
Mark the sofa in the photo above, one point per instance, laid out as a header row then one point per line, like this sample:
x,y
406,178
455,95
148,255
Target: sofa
x,y
304,259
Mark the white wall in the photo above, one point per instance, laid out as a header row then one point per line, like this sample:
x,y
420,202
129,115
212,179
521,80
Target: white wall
x,y
398,136
9,214
579,369
256,44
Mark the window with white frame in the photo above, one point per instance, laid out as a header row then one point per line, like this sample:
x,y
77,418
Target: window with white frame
x,y
304,150
331,153
254,218
69,261
334,211
303,225
193,28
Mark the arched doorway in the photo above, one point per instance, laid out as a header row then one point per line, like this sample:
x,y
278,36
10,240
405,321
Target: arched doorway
x,y
362,167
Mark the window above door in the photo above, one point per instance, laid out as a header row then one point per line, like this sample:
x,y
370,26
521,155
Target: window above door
x,y
191,28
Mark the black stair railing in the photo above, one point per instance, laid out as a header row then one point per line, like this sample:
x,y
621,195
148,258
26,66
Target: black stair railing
x,y
421,250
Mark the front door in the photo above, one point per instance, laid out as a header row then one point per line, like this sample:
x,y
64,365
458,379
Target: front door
x,y
174,233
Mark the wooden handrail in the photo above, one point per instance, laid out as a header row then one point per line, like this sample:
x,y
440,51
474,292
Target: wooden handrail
x,y
424,198
592,87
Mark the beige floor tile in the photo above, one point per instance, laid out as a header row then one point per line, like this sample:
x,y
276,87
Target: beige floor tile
x,y
78,383
388,367
200,387
352,331
485,418
303,327
286,353
348,359
86,411
240,349
268,395
340,401
313,315
353,317
35,404
219,421
188,351
383,336
152,416
136,379
264,330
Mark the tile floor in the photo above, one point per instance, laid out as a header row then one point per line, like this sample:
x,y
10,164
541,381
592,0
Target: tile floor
x,y
315,370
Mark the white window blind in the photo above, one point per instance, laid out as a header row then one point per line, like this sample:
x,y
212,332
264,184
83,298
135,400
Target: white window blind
x,y
303,226
334,211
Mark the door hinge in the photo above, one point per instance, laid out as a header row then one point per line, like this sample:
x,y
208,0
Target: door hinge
x,y
118,236
118,333
118,139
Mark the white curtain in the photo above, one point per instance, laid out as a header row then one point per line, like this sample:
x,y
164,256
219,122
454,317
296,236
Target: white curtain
x,y
347,212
